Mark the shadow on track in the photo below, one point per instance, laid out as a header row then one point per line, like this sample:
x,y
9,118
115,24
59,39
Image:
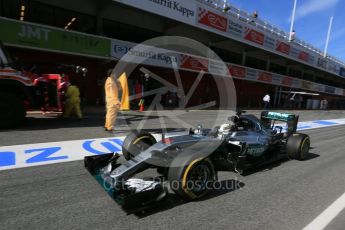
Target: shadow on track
x,y
52,121
271,166
172,200
311,156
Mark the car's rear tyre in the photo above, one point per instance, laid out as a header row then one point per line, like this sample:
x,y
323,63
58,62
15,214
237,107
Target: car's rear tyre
x,y
193,178
135,143
297,146
12,111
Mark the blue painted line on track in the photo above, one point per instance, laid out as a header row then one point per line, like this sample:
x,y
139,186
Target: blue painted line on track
x,y
325,122
7,158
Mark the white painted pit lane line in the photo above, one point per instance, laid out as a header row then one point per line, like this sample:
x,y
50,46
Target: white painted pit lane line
x,y
326,217
19,156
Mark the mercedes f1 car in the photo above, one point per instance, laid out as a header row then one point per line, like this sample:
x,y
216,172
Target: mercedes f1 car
x,y
190,162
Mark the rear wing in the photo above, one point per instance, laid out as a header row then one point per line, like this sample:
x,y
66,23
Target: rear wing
x,y
268,119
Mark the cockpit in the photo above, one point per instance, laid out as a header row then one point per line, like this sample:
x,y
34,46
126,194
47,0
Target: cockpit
x,y
241,126
246,124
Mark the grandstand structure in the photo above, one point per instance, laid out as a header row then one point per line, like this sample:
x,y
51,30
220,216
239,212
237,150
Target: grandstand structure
x,y
260,57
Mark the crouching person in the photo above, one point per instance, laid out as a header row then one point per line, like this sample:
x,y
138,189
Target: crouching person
x,y
72,102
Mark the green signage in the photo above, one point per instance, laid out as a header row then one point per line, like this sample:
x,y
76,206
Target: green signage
x,y
40,36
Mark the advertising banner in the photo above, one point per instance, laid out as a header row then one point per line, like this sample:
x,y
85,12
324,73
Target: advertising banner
x,y
218,68
294,51
276,79
237,71
143,54
212,20
164,58
312,59
235,29
231,26
270,42
319,87
304,56
194,63
287,81
252,74
44,37
283,47
308,85
265,77
296,83
184,11
254,36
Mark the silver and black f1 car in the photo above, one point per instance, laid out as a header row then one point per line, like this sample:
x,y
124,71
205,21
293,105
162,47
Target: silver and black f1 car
x,y
190,162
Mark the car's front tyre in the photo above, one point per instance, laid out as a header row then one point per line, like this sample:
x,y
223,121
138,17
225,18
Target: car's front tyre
x,y
193,178
135,143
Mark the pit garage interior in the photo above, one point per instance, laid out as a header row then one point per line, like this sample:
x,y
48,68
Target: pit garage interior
x,y
114,20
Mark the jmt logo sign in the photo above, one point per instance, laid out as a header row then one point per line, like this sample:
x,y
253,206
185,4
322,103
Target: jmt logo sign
x,y
213,20
34,32
254,36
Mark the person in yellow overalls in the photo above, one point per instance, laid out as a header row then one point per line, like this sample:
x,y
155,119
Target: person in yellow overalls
x,y
112,101
72,102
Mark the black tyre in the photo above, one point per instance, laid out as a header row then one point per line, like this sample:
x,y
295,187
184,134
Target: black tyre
x,y
192,180
298,146
12,110
135,143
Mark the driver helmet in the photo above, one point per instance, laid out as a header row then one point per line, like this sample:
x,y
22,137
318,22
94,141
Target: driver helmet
x,y
224,129
198,130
